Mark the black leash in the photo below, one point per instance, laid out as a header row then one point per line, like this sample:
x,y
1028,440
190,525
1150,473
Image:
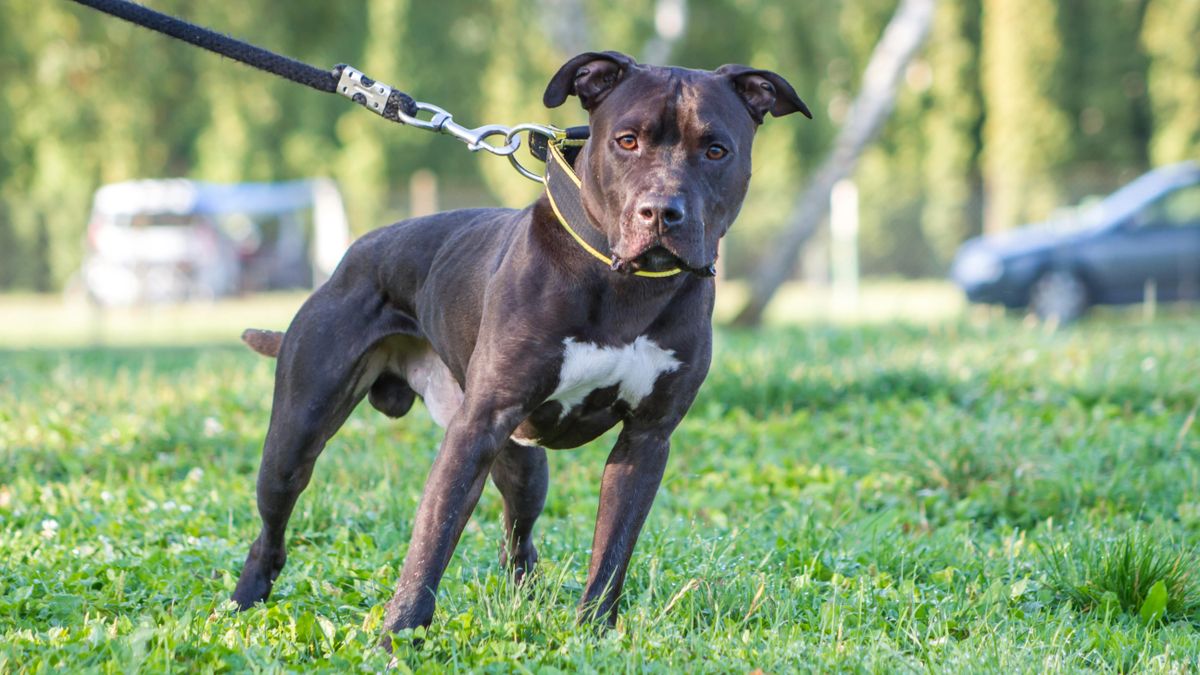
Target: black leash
x,y
381,99
219,43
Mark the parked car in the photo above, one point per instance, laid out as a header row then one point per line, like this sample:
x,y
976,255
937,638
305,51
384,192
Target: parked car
x,y
174,240
1143,239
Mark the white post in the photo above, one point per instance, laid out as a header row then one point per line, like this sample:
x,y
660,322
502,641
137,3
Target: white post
x,y
331,229
423,193
1149,299
843,248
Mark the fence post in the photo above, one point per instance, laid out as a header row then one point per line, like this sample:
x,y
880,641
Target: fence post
x,y
843,248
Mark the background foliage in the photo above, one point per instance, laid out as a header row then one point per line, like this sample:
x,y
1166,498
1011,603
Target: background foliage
x,y
1013,109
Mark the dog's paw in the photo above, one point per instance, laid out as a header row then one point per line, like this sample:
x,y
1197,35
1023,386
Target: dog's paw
x,y
405,618
522,564
258,576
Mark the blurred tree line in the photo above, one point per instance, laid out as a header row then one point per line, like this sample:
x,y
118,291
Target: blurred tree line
x,y
1014,108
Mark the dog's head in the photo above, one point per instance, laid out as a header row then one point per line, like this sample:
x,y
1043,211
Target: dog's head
x,y
668,162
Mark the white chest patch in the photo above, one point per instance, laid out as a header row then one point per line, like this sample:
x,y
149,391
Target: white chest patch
x,y
634,368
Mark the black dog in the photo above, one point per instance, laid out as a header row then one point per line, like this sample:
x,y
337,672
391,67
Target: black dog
x,y
517,338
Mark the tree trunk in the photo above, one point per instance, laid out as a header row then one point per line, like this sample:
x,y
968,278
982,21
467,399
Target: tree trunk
x,y
901,39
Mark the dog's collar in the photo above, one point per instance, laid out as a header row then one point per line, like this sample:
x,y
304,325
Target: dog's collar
x,y
563,190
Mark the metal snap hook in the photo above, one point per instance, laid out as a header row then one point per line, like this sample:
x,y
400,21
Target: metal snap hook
x,y
435,123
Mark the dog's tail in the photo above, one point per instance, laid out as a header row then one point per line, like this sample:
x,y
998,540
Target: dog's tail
x,y
265,342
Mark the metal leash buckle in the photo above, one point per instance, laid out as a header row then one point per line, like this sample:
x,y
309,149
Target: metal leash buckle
x,y
363,90
357,87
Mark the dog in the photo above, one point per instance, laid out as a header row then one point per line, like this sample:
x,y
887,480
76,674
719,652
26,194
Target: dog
x,y
530,329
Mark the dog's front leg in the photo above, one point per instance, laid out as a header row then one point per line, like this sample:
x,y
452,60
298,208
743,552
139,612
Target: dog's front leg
x,y
472,441
631,478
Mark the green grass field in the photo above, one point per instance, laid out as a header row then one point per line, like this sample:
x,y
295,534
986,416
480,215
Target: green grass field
x,y
971,495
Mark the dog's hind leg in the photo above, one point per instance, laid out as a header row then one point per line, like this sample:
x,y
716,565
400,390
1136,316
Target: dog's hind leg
x,y
318,382
522,475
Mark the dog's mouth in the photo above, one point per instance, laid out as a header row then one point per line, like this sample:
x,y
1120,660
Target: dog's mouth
x,y
656,259
659,258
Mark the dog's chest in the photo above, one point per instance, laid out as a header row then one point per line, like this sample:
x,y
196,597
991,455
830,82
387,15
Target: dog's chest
x,y
632,369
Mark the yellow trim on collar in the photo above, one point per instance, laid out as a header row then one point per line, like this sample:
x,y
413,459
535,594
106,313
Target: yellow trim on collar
x,y
575,235
564,164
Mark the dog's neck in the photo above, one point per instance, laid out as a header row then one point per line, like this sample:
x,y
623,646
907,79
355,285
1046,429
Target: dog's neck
x,y
627,302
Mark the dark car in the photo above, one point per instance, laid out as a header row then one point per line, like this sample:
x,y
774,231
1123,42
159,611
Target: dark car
x,y
1142,239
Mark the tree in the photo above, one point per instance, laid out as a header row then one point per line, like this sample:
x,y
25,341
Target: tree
x,y
513,82
1025,133
901,39
1111,124
1170,34
949,127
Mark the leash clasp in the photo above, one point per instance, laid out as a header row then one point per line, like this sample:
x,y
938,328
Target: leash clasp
x,y
390,103
476,139
374,96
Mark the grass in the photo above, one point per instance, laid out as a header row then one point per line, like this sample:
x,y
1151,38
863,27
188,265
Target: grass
x,y
43,321
956,497
1133,572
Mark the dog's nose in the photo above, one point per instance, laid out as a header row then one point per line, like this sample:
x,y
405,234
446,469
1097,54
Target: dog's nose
x,y
664,212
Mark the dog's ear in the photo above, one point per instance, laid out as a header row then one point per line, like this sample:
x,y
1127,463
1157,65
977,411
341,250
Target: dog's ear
x,y
590,76
764,92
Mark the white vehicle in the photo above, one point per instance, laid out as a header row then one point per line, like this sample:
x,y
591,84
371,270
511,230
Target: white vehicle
x,y
174,240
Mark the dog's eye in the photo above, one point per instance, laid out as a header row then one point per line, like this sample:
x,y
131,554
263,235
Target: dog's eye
x,y
716,151
627,142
